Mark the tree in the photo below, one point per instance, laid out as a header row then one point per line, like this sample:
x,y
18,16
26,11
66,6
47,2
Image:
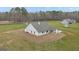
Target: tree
x,y
24,11
19,14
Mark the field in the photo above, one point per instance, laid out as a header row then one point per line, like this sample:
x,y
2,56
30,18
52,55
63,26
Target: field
x,y
7,27
15,41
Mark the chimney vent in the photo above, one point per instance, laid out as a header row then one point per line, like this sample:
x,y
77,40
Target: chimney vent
x,y
39,23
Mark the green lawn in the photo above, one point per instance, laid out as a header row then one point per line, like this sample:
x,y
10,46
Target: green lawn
x,y
68,43
8,27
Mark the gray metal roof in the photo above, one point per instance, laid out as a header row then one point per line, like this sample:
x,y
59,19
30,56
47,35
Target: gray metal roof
x,y
42,26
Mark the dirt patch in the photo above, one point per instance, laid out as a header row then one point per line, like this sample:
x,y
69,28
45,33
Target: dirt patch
x,y
6,22
37,39
46,38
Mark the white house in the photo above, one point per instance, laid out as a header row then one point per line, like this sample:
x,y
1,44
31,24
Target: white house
x,y
40,28
66,22
70,21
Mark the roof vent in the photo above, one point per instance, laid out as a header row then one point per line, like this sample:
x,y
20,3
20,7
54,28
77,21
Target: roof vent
x,y
39,23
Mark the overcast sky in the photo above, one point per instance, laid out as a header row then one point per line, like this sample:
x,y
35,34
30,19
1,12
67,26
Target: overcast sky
x,y
37,9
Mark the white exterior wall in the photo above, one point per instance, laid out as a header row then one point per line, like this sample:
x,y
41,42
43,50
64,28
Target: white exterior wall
x,y
66,23
30,28
57,31
39,34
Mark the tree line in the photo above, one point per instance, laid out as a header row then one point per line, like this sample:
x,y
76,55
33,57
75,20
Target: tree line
x,y
20,15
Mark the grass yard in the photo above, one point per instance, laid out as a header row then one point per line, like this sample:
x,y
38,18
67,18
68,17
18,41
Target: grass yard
x,y
7,27
12,41
71,40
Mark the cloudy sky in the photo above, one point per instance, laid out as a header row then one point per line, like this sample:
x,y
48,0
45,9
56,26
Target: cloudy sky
x,y
37,9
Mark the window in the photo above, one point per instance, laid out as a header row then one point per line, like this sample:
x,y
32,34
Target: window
x,y
47,31
34,32
51,31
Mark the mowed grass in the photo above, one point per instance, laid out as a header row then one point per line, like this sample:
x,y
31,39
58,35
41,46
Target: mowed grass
x,y
71,40
7,27
68,43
